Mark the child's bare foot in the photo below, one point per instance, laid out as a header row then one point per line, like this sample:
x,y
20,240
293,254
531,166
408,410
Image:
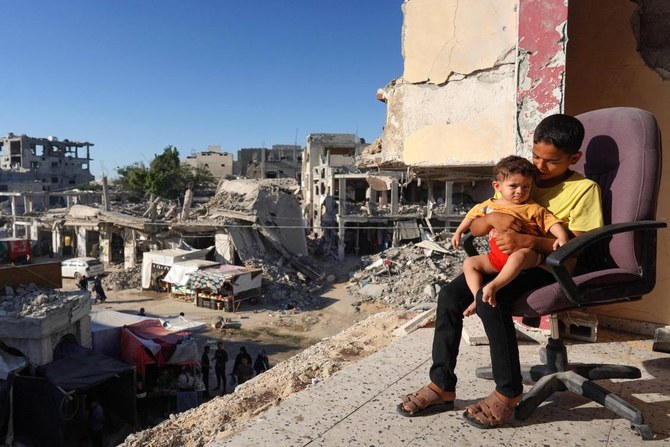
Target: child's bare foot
x,y
470,310
489,294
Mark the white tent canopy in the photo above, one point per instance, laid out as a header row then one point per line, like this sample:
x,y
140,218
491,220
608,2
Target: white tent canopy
x,y
168,258
179,271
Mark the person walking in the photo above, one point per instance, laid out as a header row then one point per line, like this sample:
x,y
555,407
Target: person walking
x,y
262,363
204,366
220,359
99,291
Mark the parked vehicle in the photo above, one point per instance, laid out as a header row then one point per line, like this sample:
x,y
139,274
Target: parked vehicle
x,y
14,250
78,267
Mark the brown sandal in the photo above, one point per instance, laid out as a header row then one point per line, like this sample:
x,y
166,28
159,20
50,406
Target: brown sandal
x,y
426,401
491,411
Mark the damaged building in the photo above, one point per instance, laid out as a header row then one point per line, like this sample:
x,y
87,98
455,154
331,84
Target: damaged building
x,y
219,164
470,95
281,161
29,164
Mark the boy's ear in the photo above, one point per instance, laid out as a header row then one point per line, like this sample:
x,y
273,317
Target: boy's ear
x,y
574,158
496,185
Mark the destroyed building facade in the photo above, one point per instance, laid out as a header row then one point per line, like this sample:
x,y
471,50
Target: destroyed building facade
x,y
281,161
220,164
470,95
29,164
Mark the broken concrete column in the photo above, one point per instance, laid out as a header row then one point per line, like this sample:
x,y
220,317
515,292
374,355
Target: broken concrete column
x,y
395,203
448,197
105,193
27,204
371,196
343,197
188,199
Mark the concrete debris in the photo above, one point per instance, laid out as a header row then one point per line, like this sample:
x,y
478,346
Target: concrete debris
x,y
33,301
402,277
124,279
285,286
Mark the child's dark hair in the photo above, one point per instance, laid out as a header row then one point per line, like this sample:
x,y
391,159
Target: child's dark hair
x,y
563,131
511,165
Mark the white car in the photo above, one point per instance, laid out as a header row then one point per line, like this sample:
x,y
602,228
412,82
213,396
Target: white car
x,y
78,267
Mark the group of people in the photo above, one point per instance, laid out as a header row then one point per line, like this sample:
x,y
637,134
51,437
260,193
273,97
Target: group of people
x,y
532,201
243,367
100,294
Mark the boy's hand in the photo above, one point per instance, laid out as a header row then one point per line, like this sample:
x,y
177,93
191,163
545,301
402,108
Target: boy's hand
x,y
504,222
511,241
456,240
559,243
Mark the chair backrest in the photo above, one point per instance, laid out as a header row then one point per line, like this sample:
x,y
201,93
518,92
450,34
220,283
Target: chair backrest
x,y
622,153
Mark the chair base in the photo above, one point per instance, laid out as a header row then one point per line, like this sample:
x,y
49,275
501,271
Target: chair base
x,y
557,375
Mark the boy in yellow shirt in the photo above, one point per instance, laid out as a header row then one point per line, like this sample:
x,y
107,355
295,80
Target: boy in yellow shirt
x,y
513,180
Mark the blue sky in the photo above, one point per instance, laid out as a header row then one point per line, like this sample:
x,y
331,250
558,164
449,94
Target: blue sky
x,y
133,76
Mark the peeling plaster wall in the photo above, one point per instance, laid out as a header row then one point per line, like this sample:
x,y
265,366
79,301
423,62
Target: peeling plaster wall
x,y
455,103
542,42
604,69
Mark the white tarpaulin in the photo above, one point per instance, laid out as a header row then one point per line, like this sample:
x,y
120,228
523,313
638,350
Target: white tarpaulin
x,y
186,351
167,258
179,324
179,271
106,330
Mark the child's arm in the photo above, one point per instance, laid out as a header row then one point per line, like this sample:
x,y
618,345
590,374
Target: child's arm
x,y
462,228
559,232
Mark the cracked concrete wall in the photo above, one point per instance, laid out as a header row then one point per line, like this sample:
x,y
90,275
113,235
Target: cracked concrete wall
x,y
541,64
605,69
477,79
650,25
453,105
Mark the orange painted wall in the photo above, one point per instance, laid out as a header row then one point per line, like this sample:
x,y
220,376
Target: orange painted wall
x,y
605,70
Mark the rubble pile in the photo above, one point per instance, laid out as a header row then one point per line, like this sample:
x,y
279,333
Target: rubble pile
x,y
285,286
405,276
124,279
247,194
32,301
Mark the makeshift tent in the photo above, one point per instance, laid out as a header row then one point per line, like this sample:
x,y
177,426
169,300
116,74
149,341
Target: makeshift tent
x,y
9,364
57,396
149,337
167,258
79,368
240,279
227,285
178,273
106,330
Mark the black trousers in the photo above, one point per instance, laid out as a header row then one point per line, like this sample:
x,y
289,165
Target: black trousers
x,y
220,377
498,324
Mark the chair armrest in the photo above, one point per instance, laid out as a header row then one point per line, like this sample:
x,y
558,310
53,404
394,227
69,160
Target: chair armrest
x,y
468,244
556,260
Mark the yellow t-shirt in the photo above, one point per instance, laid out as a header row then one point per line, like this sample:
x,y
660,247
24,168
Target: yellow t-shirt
x,y
575,201
536,218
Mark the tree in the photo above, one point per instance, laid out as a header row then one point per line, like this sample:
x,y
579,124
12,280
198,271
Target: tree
x,y
166,177
132,178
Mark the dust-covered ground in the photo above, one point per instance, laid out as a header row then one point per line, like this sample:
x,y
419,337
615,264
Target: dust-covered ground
x,y
224,415
348,319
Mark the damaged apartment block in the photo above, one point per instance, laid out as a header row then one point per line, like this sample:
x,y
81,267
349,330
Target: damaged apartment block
x,y
30,164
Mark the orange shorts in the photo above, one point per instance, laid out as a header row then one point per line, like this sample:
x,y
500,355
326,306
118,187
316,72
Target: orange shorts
x,y
497,257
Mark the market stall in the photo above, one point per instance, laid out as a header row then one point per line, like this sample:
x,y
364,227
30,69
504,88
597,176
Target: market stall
x,y
225,287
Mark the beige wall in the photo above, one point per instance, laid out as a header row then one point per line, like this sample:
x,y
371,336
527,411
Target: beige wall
x,y
605,70
454,105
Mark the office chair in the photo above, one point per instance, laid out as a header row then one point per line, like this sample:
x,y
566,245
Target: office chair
x,y
622,153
